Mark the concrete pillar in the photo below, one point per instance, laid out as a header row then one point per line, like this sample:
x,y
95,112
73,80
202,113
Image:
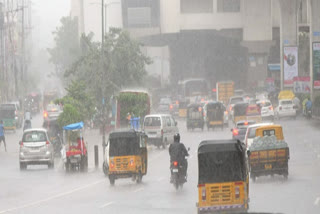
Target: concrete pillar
x,y
288,27
314,35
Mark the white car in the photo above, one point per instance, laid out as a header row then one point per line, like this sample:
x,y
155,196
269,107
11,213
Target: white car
x,y
160,129
251,133
285,109
267,111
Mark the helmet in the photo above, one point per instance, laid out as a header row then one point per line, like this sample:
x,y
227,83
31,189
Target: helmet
x,y
176,137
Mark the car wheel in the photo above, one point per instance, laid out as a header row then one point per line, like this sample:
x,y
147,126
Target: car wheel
x,y
23,166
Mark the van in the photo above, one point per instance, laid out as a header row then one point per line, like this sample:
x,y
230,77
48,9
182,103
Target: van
x,y
160,129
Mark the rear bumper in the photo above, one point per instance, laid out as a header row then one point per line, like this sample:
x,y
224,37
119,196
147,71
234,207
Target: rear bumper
x,y
223,208
287,113
35,159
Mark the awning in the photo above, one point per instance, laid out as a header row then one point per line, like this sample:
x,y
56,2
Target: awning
x,y
74,126
274,67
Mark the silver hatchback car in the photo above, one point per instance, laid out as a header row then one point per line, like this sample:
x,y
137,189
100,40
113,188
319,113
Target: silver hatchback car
x,y
36,149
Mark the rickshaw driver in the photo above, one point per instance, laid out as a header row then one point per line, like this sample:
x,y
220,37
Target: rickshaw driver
x,y
178,152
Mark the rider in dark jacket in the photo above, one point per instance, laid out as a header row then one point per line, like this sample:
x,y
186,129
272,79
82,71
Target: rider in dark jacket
x,y
178,152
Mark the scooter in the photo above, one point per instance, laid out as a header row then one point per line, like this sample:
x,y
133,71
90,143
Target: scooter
x,y
309,114
177,177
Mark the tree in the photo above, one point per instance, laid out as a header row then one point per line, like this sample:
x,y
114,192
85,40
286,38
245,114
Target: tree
x,y
123,64
69,115
80,99
66,50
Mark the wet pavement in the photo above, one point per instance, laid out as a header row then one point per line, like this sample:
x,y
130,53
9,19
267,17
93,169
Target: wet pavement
x,y
43,190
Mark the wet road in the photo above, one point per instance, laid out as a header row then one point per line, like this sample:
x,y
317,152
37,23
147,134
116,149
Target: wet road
x,y
40,190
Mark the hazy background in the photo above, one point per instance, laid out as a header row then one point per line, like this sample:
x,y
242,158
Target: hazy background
x,y
46,15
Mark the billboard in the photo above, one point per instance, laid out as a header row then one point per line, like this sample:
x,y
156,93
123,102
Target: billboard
x,y
316,64
290,65
301,85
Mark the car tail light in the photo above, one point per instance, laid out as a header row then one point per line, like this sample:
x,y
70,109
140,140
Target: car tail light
x,y
246,123
171,106
47,142
226,112
271,108
230,108
175,163
235,132
21,144
45,114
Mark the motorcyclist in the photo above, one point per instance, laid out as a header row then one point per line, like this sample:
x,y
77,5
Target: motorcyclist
x,y
178,152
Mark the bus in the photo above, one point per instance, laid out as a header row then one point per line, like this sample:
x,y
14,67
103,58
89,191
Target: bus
x,y
192,91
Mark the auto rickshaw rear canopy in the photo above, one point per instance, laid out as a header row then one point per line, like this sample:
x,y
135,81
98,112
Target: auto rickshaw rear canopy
x,y
209,146
74,126
124,134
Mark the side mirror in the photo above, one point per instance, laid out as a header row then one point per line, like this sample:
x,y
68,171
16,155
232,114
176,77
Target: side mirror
x,y
188,149
248,153
176,123
231,130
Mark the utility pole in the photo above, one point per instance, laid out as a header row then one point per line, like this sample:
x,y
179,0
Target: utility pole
x,y
22,43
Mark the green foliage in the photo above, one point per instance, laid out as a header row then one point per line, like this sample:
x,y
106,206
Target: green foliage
x,y
66,50
79,98
123,64
69,115
131,102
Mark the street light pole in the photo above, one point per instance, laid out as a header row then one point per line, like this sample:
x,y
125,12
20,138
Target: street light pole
x,y
103,82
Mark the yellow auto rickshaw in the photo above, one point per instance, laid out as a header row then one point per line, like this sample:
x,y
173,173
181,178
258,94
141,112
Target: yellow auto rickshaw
x,y
240,112
268,156
214,114
223,184
183,109
128,157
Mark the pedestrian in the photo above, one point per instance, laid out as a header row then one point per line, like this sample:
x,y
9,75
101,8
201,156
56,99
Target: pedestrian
x,y
2,138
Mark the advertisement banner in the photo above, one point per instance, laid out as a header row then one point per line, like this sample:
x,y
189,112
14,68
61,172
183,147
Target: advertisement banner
x,y
269,83
290,65
316,64
301,85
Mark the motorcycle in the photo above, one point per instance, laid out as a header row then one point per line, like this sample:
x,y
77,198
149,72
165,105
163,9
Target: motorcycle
x,y
177,176
309,114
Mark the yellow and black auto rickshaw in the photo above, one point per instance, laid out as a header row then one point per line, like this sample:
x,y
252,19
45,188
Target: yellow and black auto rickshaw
x,y
195,116
239,112
223,184
214,114
183,109
127,155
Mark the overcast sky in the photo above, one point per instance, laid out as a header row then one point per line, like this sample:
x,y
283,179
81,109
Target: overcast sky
x,y
46,16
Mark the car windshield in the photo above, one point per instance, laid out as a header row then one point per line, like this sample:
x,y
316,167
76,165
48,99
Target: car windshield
x,y
152,121
34,136
236,100
286,102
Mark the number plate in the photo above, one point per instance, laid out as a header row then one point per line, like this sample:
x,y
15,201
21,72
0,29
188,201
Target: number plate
x,y
74,160
35,150
175,170
268,166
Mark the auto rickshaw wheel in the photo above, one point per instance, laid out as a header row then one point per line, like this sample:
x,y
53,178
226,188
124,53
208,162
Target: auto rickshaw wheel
x,y
68,166
112,180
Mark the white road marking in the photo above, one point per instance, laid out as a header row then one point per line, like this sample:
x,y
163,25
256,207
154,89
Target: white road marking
x,y
316,202
107,204
60,195
138,190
